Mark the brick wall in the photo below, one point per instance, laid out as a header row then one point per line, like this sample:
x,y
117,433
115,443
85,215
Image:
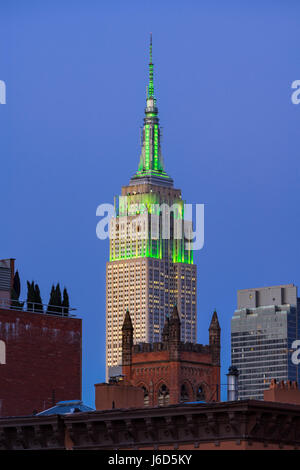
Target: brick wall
x,y
283,392
42,361
154,368
109,396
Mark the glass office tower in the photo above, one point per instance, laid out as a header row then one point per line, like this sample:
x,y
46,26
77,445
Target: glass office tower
x,y
263,329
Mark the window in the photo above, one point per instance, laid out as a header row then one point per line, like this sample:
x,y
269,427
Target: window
x,y
146,396
200,396
163,395
184,396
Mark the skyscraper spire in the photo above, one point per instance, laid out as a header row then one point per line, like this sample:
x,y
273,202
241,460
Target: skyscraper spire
x,y
151,166
151,86
146,252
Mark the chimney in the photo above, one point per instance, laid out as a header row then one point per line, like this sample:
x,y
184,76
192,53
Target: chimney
x,y
232,384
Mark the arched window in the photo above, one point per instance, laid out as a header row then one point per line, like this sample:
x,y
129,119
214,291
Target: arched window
x,y
163,395
184,396
146,396
2,353
200,395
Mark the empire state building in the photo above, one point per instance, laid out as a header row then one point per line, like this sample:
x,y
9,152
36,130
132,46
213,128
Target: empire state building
x,y
150,268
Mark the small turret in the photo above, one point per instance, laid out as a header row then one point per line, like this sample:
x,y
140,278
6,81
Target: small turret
x,y
215,338
127,340
174,325
165,332
174,335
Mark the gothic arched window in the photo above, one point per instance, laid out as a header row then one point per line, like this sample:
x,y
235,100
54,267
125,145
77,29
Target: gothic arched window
x,y
200,395
146,396
163,395
184,396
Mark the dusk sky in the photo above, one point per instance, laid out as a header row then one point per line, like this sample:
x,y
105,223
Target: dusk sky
x,y
76,76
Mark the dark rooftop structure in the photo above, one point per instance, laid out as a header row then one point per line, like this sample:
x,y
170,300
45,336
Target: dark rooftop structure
x,y
66,407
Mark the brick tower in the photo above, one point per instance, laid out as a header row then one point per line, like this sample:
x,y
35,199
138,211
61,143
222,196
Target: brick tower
x,y
172,371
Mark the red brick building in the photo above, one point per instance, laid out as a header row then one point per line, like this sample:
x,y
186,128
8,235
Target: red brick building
x,y
40,361
237,425
171,372
283,392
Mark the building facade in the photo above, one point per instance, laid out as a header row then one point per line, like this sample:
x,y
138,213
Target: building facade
x,y
151,263
40,353
263,329
239,425
40,361
173,371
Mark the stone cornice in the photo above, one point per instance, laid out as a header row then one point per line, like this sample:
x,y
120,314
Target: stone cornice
x,y
192,424
32,432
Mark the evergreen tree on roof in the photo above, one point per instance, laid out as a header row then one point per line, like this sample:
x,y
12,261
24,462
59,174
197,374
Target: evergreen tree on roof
x,y
15,293
58,299
65,302
17,284
30,296
50,307
38,304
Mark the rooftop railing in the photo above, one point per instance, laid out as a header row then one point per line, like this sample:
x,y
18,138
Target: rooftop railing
x,y
27,306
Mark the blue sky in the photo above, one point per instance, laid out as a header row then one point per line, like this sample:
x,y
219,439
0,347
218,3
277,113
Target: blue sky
x,y
76,74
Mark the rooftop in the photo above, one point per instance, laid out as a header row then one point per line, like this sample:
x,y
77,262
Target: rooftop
x,y
25,306
66,407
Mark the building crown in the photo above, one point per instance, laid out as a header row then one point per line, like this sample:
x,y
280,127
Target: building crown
x,y
151,166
